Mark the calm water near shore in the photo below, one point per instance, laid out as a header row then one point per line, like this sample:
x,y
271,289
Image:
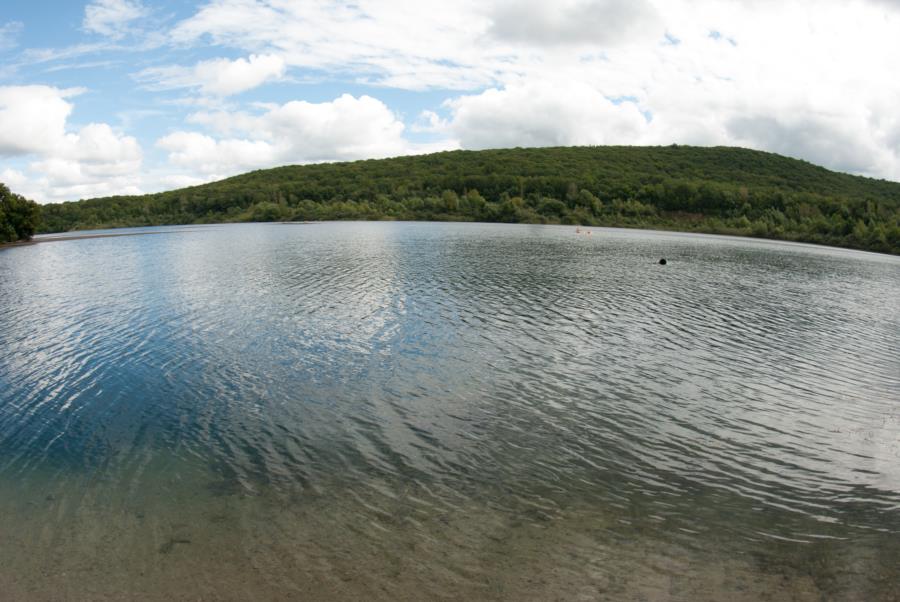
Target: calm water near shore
x,y
409,411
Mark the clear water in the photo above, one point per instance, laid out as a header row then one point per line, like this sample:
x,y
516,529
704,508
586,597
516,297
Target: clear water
x,y
447,411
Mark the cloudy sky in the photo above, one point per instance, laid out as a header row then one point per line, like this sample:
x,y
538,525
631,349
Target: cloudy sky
x,y
127,96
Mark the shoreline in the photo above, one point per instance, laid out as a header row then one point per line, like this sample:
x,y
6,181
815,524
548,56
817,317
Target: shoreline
x,y
57,237
34,241
61,237
659,228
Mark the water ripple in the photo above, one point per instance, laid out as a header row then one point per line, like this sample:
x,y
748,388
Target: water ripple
x,y
399,375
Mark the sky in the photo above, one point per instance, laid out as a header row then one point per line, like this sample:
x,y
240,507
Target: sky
x,y
107,97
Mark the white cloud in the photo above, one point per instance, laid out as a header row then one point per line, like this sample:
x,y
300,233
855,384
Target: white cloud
x,y
218,77
541,114
112,18
14,179
416,45
345,128
9,34
32,118
816,138
224,77
36,56
66,165
170,181
295,132
207,155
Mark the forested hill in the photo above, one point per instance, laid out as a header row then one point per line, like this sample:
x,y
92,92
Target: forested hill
x,y
718,190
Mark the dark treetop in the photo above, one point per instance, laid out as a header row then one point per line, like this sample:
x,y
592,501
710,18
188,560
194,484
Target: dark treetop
x,y
19,217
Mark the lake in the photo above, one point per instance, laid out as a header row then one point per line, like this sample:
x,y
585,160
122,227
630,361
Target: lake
x,y
409,411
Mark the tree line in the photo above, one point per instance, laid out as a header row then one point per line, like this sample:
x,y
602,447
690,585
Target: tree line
x,y
715,190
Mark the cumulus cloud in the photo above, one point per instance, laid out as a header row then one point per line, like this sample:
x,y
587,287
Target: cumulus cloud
x,y
541,114
65,164
112,18
14,179
295,132
32,118
815,138
217,77
207,155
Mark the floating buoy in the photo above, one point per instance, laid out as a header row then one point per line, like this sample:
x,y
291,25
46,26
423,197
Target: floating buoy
x,y
662,261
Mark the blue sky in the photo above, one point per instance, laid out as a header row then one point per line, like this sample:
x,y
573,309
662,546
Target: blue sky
x,y
129,96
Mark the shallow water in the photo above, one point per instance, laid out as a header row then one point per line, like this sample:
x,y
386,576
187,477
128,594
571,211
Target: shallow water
x,y
447,411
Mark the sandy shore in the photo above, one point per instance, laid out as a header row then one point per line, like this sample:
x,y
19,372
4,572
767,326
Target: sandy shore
x,y
34,241
64,237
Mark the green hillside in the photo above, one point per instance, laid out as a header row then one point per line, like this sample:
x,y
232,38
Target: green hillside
x,y
717,190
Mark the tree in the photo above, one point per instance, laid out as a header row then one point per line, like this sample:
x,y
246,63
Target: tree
x,y
268,212
451,200
19,217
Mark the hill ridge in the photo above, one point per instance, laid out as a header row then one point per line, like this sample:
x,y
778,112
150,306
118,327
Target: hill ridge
x,y
720,189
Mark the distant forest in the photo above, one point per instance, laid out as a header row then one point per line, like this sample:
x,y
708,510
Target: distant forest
x,y
19,217
715,190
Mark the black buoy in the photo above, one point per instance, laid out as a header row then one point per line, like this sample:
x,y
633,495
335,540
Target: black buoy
x,y
662,261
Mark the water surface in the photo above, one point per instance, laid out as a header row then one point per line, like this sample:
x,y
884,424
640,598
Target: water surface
x,y
447,411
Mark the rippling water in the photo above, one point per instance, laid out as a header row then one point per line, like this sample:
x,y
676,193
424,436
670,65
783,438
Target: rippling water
x,y
460,411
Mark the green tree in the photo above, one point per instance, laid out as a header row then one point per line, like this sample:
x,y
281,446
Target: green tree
x,y
451,201
268,212
19,217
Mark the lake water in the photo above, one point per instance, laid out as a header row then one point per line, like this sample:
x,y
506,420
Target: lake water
x,y
410,411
